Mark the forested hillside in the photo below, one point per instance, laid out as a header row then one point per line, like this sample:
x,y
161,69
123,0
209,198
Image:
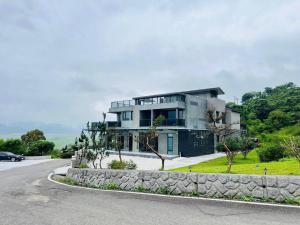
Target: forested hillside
x,y
270,110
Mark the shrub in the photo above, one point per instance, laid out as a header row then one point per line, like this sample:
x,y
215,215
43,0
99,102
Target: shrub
x,y
140,189
41,147
233,143
270,153
68,151
117,165
83,166
111,186
164,191
130,165
55,154
15,146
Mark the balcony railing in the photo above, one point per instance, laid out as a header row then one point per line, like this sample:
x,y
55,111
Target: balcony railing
x,y
166,122
147,101
124,103
145,123
113,124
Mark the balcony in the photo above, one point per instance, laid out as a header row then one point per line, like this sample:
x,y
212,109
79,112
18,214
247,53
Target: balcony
x,y
160,100
120,104
164,123
113,124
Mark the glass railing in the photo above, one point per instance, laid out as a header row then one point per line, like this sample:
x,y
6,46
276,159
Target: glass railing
x,y
120,104
113,124
166,122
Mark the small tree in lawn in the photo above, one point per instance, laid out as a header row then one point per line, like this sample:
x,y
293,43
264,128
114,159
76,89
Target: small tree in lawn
x,y
149,139
223,131
292,145
247,145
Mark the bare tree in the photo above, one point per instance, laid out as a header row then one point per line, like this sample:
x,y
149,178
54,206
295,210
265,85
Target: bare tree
x,y
222,131
149,139
292,145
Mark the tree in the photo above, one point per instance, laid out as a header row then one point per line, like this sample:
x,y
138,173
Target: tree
x,y
276,120
248,96
223,131
82,145
292,145
15,146
98,136
32,136
40,148
117,142
231,146
149,138
246,145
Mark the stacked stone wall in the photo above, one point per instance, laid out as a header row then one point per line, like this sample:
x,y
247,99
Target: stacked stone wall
x,y
277,188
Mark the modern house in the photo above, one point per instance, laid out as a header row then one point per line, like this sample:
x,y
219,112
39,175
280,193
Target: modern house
x,y
183,132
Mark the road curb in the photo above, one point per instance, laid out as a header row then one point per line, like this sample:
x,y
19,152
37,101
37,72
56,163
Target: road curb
x,y
180,197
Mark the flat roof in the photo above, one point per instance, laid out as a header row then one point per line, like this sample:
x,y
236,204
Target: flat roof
x,y
218,90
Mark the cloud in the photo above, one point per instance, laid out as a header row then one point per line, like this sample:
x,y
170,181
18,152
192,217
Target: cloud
x,y
64,62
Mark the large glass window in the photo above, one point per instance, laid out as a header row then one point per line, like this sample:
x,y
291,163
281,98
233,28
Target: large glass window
x,y
127,115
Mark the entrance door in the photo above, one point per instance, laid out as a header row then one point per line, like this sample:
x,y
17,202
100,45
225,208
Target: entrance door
x,y
130,143
170,144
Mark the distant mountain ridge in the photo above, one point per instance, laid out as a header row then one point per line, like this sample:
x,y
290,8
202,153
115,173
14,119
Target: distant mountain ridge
x,y
22,127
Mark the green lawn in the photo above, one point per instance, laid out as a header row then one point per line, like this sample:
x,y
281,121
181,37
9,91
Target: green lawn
x,y
251,165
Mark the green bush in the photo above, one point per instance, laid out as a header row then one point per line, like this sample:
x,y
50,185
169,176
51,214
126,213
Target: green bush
x,y
83,166
270,153
233,143
111,186
39,148
55,154
117,165
15,146
68,151
130,165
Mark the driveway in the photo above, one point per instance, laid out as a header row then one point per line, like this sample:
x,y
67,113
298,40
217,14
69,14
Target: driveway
x,y
155,163
28,198
10,165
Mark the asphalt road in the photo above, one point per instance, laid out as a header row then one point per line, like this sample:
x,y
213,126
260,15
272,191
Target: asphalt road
x,y
27,197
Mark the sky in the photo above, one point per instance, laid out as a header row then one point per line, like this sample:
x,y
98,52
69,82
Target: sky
x,y
63,62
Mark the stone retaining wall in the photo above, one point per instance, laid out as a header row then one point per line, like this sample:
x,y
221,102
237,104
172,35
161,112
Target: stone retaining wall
x,y
278,188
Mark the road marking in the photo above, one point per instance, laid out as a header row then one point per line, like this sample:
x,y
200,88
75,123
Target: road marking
x,y
177,196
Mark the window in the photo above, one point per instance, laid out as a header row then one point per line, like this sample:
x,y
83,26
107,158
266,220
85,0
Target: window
x,y
127,115
180,114
194,103
217,116
170,144
223,118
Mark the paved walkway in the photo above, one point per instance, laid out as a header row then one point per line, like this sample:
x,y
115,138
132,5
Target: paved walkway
x,y
155,164
27,162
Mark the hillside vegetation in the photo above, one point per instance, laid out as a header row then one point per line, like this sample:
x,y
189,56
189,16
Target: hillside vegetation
x,y
272,116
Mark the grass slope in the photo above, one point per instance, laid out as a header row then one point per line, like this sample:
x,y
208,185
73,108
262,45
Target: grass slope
x,y
251,165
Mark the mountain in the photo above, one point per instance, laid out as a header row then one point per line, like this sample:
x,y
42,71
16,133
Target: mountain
x,y
22,127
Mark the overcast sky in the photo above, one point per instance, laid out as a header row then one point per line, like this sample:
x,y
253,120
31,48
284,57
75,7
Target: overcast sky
x,y
65,61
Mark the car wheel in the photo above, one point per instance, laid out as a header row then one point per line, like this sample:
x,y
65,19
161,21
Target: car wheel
x,y
12,159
